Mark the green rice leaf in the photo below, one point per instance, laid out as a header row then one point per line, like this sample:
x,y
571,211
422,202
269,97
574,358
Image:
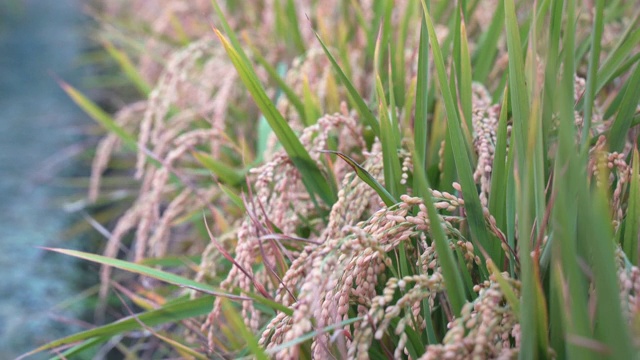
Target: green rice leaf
x,y
171,313
294,26
398,56
174,261
312,177
507,290
235,198
235,322
312,334
524,186
415,347
408,111
487,47
598,235
632,221
464,83
78,349
420,135
224,172
271,304
99,115
363,109
263,133
500,172
312,111
282,85
147,271
128,68
450,270
571,191
510,201
384,194
551,70
622,122
479,232
183,350
230,33
612,63
391,168
517,85
533,309
594,58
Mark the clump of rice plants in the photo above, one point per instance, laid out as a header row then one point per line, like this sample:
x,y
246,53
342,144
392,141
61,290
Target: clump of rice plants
x,y
377,179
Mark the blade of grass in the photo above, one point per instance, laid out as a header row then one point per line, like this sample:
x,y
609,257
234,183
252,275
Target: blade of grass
x,y
230,33
594,58
507,290
437,133
393,110
406,123
475,218
99,115
450,271
517,85
397,52
391,164
312,334
536,149
312,111
128,68
464,83
569,184
598,234
534,314
294,26
524,185
632,221
499,175
542,315
529,347
77,350
282,85
415,347
383,37
263,133
622,122
312,177
269,304
384,194
236,323
551,70
511,201
224,172
377,8
148,271
183,350
363,109
628,41
332,98
235,198
390,144
170,313
360,19
487,48
429,331
420,127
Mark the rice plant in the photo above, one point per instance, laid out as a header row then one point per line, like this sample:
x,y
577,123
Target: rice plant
x,y
375,179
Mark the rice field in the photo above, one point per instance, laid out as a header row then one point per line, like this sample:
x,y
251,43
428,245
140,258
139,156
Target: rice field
x,y
369,179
